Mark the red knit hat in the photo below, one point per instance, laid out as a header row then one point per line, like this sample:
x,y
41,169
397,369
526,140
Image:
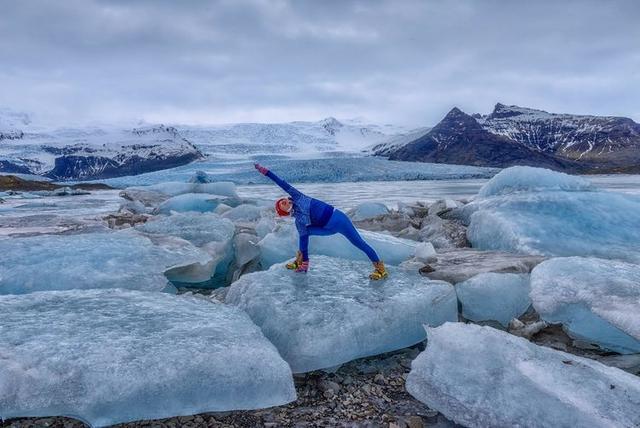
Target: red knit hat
x,y
280,207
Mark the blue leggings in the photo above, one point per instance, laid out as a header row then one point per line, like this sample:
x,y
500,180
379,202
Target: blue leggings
x,y
340,223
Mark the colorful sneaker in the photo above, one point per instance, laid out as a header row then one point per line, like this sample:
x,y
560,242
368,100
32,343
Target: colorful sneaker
x,y
296,263
303,267
379,271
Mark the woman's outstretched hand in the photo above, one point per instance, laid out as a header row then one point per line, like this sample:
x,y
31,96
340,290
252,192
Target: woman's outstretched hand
x,y
261,169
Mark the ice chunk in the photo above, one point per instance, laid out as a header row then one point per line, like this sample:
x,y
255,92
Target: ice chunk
x,y
197,228
596,300
282,244
207,231
246,247
243,213
494,297
265,225
174,188
124,259
200,177
530,179
335,314
367,210
557,223
442,205
190,202
111,356
443,233
459,265
483,377
425,252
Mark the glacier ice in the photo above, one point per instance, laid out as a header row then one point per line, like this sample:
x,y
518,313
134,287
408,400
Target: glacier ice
x,y
334,313
494,297
425,252
569,222
122,259
483,377
367,210
111,356
175,188
596,300
197,228
208,231
281,245
200,202
243,213
531,179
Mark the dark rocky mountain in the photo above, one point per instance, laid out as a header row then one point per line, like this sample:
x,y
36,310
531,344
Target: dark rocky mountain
x,y
513,135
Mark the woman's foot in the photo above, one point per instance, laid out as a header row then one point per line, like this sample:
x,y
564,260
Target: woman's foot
x,y
303,267
294,265
379,271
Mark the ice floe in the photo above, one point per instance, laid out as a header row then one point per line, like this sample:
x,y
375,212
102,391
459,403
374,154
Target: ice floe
x,y
553,214
124,259
483,377
596,300
494,297
111,356
335,314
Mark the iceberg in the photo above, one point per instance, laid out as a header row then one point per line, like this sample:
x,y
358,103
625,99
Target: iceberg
x,y
282,243
483,377
367,210
530,179
494,297
597,301
191,202
335,314
557,215
122,259
174,188
112,356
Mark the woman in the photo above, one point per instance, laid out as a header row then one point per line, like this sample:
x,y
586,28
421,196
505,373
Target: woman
x,y
315,217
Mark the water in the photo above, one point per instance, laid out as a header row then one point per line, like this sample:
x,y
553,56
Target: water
x,y
348,195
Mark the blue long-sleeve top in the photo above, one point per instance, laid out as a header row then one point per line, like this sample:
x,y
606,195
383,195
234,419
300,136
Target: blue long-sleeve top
x,y
307,211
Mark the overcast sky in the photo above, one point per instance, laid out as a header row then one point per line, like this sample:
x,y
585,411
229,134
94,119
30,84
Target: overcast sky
x,y
401,62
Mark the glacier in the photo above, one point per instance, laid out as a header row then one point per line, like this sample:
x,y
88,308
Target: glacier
x,y
112,356
335,314
596,300
122,259
540,219
282,243
483,377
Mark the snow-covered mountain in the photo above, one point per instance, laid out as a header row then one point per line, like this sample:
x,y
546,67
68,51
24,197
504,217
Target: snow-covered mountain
x,y
513,135
89,152
328,134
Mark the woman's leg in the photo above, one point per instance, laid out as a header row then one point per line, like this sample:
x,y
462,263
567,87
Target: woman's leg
x,y
340,223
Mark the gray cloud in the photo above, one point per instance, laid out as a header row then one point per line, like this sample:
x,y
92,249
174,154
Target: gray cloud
x,y
402,62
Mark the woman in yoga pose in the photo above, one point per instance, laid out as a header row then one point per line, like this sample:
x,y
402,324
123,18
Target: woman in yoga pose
x,y
315,217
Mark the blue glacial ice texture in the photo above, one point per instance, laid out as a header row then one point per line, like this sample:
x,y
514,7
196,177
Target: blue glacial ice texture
x,y
122,259
557,223
175,188
494,297
368,210
483,377
281,245
335,314
596,300
529,179
111,356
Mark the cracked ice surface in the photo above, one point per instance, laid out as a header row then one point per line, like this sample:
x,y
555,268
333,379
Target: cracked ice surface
x,y
281,245
122,259
110,356
483,377
540,219
335,314
596,300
